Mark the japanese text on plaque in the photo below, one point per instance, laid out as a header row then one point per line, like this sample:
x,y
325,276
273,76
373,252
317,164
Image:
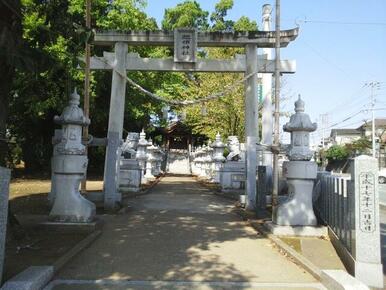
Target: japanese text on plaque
x,y
367,202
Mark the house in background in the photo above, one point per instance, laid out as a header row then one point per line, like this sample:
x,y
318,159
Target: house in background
x,y
380,138
344,136
380,130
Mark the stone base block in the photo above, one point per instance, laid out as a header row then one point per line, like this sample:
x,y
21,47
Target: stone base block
x,y
94,196
300,231
340,280
33,278
127,189
66,227
297,209
370,274
149,178
69,205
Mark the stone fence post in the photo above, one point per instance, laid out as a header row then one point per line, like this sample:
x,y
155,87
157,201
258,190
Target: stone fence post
x,y
5,175
367,249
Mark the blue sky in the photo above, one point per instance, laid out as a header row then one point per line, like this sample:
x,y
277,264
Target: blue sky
x,y
334,60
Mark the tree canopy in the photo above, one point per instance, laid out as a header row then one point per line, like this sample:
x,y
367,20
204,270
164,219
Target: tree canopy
x,y
40,44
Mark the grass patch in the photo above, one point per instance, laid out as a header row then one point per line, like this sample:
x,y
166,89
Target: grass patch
x,y
294,243
24,187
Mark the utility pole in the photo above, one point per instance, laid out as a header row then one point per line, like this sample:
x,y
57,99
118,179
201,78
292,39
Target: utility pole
x,y
276,146
267,117
86,103
324,125
373,86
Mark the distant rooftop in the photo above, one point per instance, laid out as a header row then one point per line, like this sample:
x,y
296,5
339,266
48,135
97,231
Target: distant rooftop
x,y
379,122
335,132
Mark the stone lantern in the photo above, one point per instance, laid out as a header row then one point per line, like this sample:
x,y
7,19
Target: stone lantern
x,y
300,172
204,154
130,173
159,157
218,157
208,162
129,147
141,153
69,167
300,127
150,161
234,148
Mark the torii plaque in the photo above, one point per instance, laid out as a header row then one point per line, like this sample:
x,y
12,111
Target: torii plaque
x,y
185,45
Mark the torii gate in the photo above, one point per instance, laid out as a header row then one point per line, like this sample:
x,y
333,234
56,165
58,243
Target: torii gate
x,y
185,43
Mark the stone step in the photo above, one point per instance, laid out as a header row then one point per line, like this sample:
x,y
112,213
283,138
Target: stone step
x,y
173,285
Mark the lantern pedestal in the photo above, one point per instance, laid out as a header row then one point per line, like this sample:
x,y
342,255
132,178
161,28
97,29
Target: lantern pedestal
x,y
69,205
297,209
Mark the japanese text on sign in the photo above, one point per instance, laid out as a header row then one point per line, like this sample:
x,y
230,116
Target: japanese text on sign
x,y
367,202
185,43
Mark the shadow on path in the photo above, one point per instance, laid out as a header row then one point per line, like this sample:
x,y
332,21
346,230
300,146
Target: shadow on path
x,y
181,232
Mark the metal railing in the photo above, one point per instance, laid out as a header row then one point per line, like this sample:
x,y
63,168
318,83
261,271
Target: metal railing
x,y
335,206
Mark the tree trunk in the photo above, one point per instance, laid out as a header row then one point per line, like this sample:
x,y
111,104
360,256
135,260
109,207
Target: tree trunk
x,y
5,87
10,41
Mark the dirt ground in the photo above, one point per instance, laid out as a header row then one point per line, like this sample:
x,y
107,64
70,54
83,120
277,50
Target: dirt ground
x,y
30,247
36,248
29,196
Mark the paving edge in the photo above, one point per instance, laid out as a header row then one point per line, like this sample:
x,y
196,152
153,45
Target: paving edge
x,y
142,192
37,277
75,250
32,278
331,279
154,183
298,258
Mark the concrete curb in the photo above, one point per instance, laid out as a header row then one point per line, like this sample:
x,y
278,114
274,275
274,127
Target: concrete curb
x,y
32,278
331,279
75,250
37,277
124,208
341,280
295,256
158,179
298,231
298,258
234,196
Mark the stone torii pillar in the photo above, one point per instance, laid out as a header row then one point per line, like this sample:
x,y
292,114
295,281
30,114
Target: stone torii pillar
x,y
251,125
115,128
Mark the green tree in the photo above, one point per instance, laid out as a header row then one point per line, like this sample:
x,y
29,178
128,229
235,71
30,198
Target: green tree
x,y
218,16
56,28
186,14
224,115
337,152
10,47
245,24
360,146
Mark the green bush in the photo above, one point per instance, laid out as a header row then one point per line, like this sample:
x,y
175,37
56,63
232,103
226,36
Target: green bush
x,y
337,152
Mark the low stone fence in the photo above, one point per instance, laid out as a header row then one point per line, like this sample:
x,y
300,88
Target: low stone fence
x,y
349,206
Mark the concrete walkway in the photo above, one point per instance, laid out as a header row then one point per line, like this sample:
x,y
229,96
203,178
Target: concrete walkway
x,y
180,236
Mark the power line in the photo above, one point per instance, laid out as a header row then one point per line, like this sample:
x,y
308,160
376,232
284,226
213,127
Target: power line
x,y
346,119
344,102
351,124
341,22
327,60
